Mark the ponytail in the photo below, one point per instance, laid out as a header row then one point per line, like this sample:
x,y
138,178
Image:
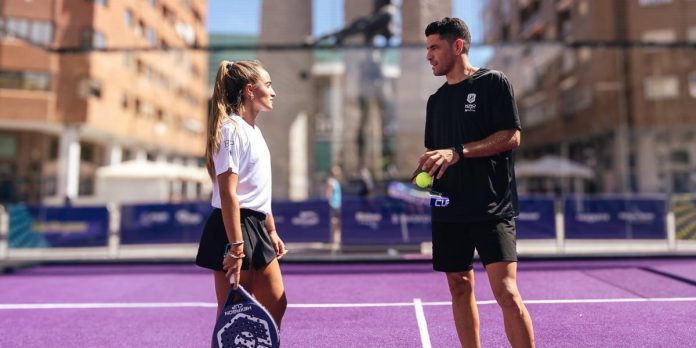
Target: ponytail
x,y
228,97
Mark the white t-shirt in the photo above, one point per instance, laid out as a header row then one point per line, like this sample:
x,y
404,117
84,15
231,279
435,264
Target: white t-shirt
x,y
243,150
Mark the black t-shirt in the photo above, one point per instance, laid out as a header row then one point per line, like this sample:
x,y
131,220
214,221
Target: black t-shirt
x,y
478,188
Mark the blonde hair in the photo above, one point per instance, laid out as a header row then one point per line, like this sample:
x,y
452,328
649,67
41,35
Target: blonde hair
x,y
228,97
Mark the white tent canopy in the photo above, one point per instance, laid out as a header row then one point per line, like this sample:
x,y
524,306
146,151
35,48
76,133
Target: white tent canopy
x,y
553,167
144,169
143,181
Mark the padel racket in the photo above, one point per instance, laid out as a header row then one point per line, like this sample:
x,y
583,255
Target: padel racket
x,y
412,194
245,323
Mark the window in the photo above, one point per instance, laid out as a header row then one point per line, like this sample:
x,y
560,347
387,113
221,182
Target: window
x,y
89,88
661,87
679,157
37,81
151,36
128,17
50,186
127,59
127,155
93,39
87,152
692,84
35,31
139,29
41,32
138,106
660,35
691,34
27,80
565,25
8,146
17,27
653,2
53,149
11,79
86,187
103,3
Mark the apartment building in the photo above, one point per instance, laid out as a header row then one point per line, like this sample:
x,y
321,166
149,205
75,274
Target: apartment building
x,y
90,83
610,84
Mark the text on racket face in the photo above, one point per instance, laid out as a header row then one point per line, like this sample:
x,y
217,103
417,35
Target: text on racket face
x,y
238,308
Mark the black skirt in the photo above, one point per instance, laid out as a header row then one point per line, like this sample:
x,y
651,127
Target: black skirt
x,y
258,249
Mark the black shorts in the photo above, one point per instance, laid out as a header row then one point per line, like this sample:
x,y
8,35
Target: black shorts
x,y
454,243
258,249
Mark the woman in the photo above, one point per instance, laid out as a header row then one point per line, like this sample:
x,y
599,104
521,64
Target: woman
x,y
239,240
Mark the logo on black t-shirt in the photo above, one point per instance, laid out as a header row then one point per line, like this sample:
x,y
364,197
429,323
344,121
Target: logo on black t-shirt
x,y
470,107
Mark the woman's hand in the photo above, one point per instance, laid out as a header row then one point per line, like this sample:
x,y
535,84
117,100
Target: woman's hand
x,y
278,244
232,264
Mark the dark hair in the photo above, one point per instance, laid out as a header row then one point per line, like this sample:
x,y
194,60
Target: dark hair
x,y
450,29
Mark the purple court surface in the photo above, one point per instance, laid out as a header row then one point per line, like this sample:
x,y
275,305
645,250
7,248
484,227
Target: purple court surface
x,y
573,303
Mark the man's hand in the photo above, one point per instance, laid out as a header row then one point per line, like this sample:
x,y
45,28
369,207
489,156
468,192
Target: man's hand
x,y
437,161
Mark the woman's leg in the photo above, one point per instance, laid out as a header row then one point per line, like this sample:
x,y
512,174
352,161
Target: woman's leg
x,y
270,291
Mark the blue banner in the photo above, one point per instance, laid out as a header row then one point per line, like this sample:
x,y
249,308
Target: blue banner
x,y
615,218
163,223
37,226
536,219
383,221
303,222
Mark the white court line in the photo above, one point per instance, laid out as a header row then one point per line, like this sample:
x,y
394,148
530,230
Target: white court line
x,y
422,324
97,305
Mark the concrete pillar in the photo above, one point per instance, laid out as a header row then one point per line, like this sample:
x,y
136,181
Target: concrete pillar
x,y
417,82
69,163
290,72
299,178
336,107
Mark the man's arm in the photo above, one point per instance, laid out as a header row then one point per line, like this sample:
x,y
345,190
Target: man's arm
x,y
500,141
437,161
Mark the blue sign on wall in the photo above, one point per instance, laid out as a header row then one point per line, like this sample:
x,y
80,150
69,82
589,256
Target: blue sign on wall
x,y
536,219
383,221
615,218
163,223
63,226
300,222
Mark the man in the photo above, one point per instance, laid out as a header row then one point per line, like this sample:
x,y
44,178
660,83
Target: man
x,y
471,128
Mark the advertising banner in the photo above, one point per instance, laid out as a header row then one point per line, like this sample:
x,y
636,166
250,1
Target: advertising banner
x,y
36,226
303,222
615,218
384,221
536,219
163,223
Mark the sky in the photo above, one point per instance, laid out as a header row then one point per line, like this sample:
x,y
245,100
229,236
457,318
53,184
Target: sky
x,y
244,16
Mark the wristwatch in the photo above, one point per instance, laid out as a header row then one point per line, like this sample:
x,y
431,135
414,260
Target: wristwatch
x,y
459,149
